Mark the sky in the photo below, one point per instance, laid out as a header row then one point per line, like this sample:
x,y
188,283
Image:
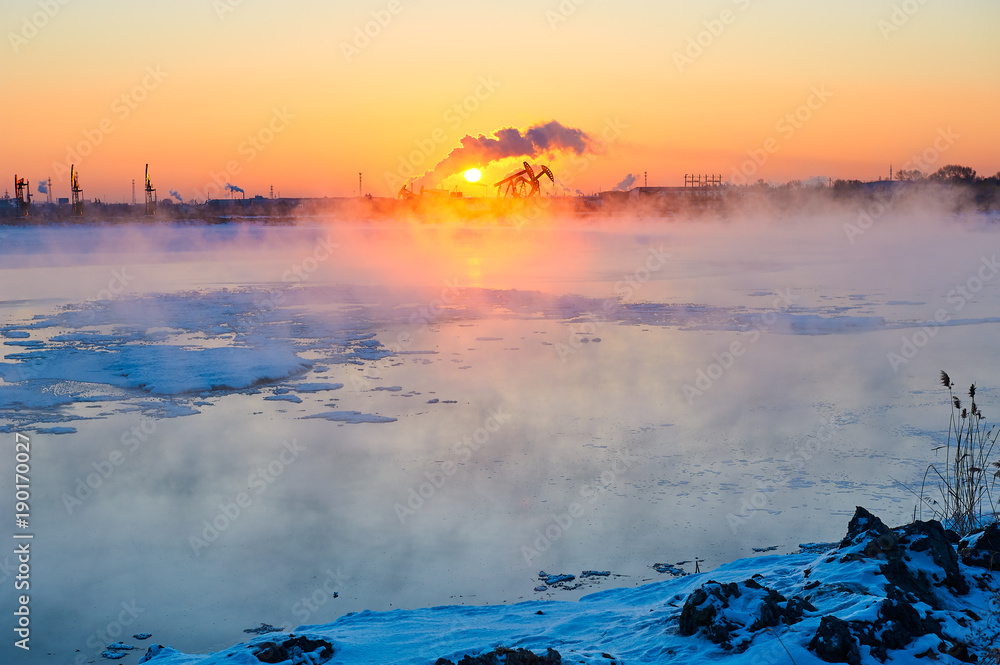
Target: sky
x,y
303,95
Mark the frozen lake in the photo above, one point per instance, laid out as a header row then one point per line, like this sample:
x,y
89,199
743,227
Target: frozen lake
x,y
230,422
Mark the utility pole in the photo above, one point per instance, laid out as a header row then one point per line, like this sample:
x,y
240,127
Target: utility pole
x,y
133,191
645,182
360,193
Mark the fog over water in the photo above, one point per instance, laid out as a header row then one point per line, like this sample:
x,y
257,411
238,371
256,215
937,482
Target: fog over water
x,y
228,419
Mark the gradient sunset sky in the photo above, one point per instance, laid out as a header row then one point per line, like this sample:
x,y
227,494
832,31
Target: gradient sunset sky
x,y
692,87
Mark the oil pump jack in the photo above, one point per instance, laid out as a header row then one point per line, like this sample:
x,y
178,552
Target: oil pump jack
x,y
408,194
74,183
22,190
525,183
150,196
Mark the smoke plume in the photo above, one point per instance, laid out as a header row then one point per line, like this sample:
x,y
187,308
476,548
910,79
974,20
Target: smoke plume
x,y
510,142
43,186
626,183
176,195
234,188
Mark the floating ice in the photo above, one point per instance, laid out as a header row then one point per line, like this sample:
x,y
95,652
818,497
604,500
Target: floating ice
x,y
316,387
353,417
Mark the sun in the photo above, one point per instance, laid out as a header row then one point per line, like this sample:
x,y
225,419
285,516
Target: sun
x,y
473,175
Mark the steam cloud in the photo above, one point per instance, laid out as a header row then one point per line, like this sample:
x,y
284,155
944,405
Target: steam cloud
x,y
481,150
43,187
626,183
234,188
173,193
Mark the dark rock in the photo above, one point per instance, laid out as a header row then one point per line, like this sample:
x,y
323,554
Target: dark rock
x,y
982,549
896,626
293,648
924,537
700,607
833,641
795,608
771,612
898,623
961,652
718,612
505,656
863,526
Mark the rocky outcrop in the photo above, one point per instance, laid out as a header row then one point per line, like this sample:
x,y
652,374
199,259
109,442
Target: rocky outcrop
x,y
294,649
505,656
834,643
719,612
919,564
918,584
982,549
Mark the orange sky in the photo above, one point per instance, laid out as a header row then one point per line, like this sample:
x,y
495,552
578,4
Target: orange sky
x,y
288,94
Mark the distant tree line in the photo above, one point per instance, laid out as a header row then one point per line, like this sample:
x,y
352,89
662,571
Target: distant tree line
x,y
951,174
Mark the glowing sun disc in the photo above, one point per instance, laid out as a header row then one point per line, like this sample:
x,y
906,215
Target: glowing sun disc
x,y
473,175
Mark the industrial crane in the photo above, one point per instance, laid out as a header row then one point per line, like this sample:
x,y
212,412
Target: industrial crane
x,y
525,183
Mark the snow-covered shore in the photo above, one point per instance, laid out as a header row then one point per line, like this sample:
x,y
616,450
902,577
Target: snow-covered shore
x,y
881,595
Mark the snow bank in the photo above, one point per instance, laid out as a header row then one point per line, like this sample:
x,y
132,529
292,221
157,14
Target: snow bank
x,y
881,595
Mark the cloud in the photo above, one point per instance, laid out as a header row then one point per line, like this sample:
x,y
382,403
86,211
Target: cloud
x,y
480,151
